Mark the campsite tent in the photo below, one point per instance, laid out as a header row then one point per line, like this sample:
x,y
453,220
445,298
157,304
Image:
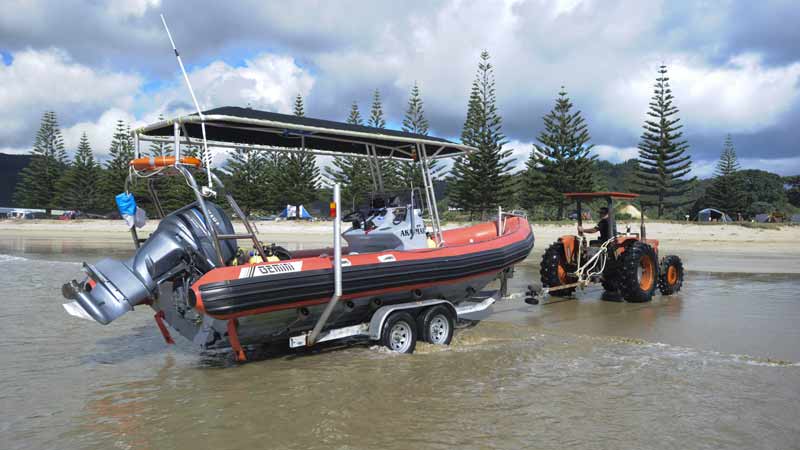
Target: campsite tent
x,y
627,208
712,215
762,218
795,218
295,212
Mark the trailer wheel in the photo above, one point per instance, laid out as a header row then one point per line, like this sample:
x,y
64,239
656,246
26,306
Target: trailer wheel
x,y
639,273
554,270
670,279
436,325
400,333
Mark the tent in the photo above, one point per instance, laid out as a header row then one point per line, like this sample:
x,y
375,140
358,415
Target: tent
x,y
629,210
795,218
712,215
762,218
295,212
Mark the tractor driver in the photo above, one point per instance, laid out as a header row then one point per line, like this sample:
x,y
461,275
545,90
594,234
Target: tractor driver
x,y
603,226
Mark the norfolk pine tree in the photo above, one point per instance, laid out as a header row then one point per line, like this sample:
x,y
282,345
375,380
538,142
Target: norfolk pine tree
x,y
414,121
389,168
37,185
300,175
662,161
244,173
562,161
121,153
299,109
728,163
160,148
480,180
352,173
79,187
726,193
169,189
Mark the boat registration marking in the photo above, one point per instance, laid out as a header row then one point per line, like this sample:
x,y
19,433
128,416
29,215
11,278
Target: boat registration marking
x,y
270,269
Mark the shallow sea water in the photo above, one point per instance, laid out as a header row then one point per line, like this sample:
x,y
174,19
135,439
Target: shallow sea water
x,y
714,367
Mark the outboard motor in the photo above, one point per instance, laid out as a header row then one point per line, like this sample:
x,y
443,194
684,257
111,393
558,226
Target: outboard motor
x,y
182,243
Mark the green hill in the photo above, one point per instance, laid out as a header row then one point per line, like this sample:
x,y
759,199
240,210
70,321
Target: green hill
x,y
10,166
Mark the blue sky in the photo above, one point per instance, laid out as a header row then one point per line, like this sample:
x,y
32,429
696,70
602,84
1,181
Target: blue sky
x,y
734,66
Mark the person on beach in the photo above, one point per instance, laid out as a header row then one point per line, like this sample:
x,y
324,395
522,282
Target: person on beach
x,y
602,226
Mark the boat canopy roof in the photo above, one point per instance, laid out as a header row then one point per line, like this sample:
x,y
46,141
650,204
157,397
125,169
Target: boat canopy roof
x,y
246,127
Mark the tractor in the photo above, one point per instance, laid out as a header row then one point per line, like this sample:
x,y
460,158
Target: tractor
x,y
626,264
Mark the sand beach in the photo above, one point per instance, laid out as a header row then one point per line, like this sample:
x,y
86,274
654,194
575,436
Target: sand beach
x,y
705,247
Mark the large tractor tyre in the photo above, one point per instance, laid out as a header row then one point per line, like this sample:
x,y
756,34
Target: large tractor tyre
x,y
554,270
610,278
610,284
670,278
639,273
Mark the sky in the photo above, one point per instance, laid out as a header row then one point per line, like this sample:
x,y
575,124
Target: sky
x,y
734,66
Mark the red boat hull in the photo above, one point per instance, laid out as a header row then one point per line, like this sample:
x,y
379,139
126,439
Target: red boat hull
x,y
469,256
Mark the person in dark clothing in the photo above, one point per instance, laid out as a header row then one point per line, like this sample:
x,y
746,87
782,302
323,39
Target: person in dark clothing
x,y
603,226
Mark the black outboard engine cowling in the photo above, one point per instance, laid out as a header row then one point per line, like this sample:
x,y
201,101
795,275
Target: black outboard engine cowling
x,y
182,239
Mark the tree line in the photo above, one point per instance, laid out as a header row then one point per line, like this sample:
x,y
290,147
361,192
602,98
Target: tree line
x,y
261,181
560,161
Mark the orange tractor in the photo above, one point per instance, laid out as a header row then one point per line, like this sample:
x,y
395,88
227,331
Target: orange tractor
x,y
625,264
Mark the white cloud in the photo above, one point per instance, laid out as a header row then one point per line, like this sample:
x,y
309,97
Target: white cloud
x,y
742,96
92,101
40,80
15,150
99,131
781,166
605,53
703,168
521,151
268,82
615,154
131,8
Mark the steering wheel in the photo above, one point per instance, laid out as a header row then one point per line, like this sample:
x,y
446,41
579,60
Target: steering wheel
x,y
355,217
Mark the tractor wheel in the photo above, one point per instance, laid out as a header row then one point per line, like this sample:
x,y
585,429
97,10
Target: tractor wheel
x,y
610,278
639,273
670,279
554,270
609,284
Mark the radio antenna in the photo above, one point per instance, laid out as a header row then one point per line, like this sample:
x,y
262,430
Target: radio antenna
x,y
206,154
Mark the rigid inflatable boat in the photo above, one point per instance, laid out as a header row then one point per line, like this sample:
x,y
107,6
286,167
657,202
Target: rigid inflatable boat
x,y
471,257
397,256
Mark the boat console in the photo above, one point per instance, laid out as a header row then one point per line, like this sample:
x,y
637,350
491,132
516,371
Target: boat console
x,y
387,226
